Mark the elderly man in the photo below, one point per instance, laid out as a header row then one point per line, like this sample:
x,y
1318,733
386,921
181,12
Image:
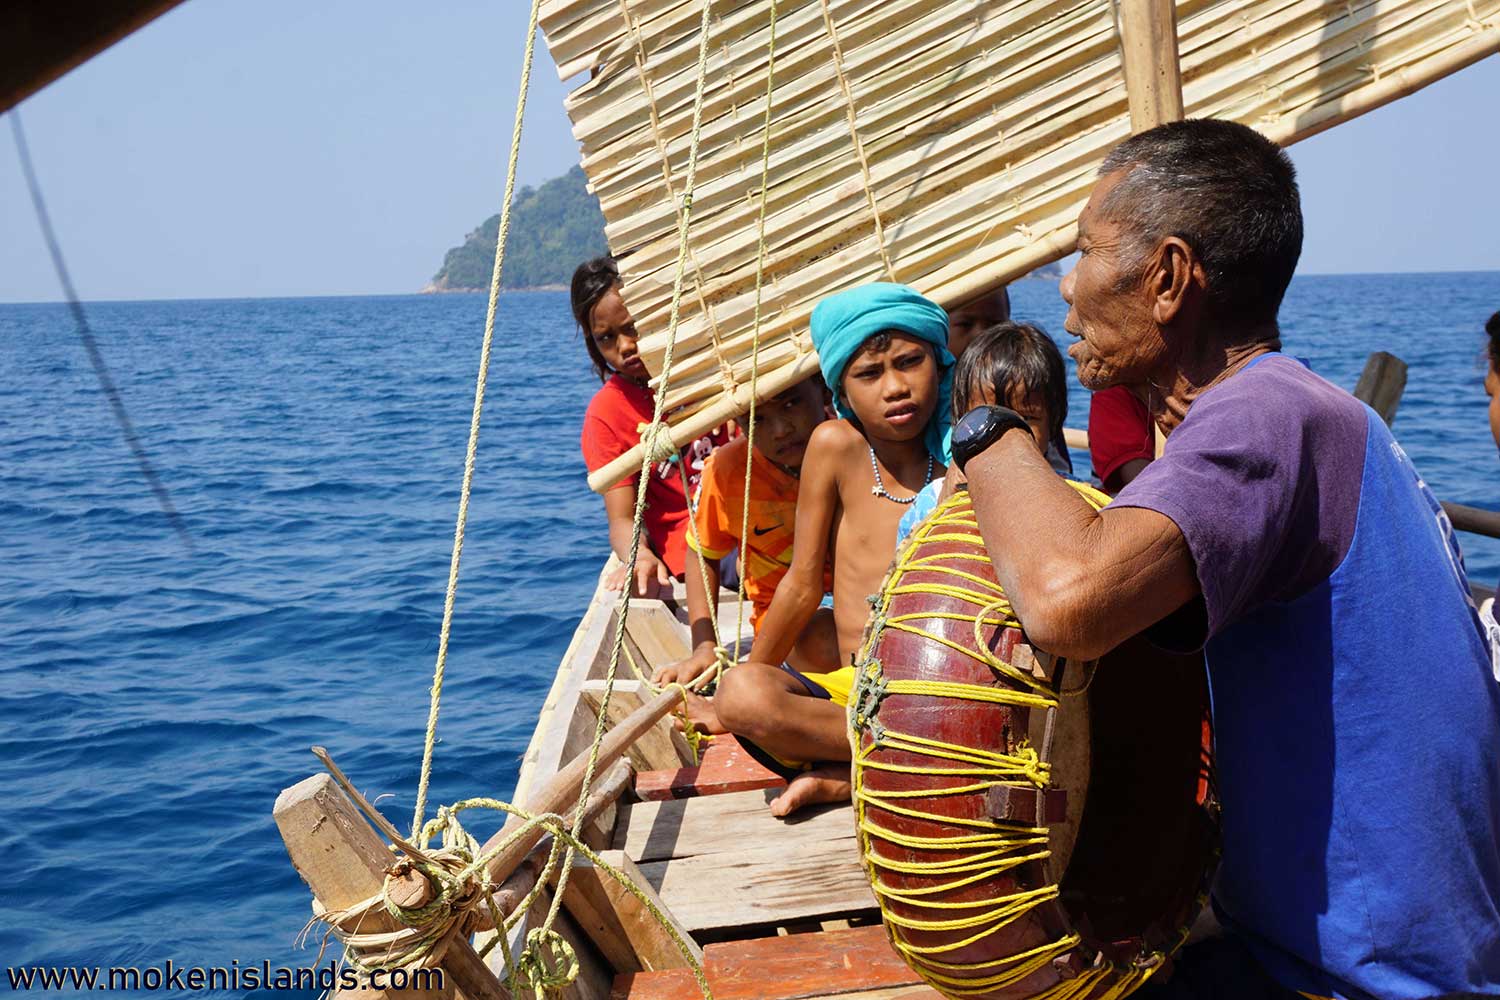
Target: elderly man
x,y
1356,704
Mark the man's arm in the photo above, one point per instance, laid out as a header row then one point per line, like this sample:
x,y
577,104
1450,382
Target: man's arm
x,y
801,589
1081,581
700,615
651,576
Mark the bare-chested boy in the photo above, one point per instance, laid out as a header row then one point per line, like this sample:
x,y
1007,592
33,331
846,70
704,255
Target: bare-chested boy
x,y
883,351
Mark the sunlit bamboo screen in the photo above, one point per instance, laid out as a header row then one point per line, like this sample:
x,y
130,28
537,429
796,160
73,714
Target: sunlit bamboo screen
x,y
981,125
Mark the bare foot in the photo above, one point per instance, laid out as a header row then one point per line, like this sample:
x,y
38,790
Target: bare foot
x,y
701,716
824,783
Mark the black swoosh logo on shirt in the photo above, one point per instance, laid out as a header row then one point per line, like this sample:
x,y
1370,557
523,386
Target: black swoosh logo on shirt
x,y
762,531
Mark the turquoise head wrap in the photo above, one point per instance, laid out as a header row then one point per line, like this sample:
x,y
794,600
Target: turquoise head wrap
x,y
842,323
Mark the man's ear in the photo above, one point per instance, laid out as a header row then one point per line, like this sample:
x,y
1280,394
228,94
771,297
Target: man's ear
x,y
1175,270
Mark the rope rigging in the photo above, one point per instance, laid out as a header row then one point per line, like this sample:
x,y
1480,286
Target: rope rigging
x,y
458,870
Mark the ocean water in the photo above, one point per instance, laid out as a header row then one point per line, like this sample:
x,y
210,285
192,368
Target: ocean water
x,y
154,701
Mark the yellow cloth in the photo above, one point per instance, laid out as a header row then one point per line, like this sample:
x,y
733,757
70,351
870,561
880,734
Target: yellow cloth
x,y
838,684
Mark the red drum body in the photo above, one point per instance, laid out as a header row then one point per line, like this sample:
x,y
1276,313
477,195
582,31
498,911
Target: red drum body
x,y
1031,827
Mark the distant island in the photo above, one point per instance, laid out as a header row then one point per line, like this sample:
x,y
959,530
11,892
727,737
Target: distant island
x,y
553,228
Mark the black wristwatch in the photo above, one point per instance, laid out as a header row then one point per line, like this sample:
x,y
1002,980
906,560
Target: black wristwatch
x,y
980,428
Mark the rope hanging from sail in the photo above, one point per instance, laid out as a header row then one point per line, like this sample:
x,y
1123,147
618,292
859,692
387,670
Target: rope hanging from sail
x,y
466,488
622,609
459,870
541,975
724,657
760,274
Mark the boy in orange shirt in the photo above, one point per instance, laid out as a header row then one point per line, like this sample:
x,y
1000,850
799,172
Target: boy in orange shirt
x,y
783,425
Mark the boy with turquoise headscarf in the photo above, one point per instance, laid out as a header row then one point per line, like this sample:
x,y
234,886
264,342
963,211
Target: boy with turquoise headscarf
x,y
883,351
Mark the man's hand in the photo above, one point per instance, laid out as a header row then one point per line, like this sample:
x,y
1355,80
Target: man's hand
x,y
689,670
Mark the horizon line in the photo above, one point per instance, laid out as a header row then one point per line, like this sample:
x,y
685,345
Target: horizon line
x,y
555,289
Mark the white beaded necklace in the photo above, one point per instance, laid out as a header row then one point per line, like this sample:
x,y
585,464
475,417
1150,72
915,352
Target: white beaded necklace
x,y
879,489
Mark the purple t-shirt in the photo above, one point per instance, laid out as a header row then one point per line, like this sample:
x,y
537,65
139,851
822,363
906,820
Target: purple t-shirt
x,y
1356,712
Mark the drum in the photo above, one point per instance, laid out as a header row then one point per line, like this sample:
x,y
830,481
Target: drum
x,y
1031,827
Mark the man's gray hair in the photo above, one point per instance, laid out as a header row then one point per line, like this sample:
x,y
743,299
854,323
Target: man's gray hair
x,y
1228,192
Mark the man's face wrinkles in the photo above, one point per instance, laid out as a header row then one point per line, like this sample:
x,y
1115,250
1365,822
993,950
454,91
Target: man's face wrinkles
x,y
1111,316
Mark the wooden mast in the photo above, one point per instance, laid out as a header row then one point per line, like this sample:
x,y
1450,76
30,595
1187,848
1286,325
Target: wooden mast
x,y
1148,48
1153,77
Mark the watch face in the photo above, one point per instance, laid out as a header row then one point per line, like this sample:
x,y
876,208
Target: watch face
x,y
972,424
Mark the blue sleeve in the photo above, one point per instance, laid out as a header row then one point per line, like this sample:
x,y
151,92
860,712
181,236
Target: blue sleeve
x,y
925,503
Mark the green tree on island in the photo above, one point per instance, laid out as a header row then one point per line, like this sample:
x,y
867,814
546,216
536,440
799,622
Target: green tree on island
x,y
552,229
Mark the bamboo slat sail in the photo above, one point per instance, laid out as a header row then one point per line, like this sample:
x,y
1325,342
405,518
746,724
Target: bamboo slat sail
x,y
980,124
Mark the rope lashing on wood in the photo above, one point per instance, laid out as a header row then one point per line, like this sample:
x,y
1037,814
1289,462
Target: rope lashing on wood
x,y
989,847
465,900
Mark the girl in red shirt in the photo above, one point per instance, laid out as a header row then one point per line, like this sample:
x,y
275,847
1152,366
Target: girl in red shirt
x,y
611,427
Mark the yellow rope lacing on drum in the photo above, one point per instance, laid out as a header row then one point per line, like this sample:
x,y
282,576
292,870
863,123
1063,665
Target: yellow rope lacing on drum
x,y
990,847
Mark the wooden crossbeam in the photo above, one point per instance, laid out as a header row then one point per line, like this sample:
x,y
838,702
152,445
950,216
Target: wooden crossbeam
x,y
626,932
661,746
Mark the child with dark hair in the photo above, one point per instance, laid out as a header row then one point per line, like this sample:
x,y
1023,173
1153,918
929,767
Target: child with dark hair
x,y
784,424
1016,365
611,427
884,355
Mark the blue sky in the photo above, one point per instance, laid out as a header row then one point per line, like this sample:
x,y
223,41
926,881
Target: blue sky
x,y
274,148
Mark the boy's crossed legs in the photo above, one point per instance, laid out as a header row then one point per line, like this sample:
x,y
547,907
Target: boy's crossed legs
x,y
787,718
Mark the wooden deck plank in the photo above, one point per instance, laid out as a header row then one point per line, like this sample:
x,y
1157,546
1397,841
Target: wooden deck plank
x,y
726,767
732,822
855,964
762,885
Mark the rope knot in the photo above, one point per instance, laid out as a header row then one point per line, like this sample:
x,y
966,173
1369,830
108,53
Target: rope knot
x,y
547,962
870,689
656,441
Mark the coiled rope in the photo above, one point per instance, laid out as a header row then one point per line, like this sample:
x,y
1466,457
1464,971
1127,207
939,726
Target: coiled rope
x,y
981,848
